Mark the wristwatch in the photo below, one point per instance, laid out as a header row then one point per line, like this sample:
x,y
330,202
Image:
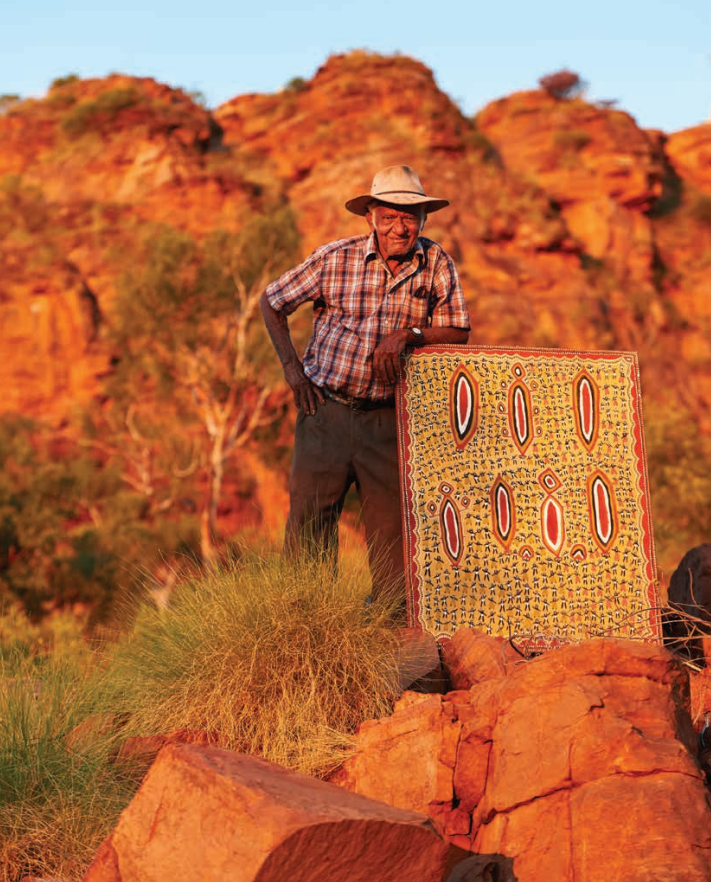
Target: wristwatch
x,y
418,335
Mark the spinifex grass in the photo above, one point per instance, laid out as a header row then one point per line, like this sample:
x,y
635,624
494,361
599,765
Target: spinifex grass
x,y
270,657
58,795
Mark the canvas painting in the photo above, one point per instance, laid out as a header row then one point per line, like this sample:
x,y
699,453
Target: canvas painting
x,y
525,494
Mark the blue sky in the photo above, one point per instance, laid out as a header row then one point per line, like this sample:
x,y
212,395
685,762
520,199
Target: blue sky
x,y
653,57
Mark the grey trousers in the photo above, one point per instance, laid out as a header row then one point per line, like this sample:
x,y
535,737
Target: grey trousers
x,y
333,449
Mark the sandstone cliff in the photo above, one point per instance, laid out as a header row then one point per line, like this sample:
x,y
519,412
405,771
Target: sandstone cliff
x,y
572,227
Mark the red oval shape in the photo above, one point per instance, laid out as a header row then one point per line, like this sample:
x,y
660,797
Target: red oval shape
x,y
504,513
602,510
552,524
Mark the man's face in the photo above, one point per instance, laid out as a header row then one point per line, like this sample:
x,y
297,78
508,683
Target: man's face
x,y
397,227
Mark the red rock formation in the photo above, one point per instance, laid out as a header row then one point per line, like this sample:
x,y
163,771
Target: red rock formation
x,y
212,814
690,153
578,765
572,227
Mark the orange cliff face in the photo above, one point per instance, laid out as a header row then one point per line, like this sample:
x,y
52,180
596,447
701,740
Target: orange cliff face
x,y
571,226
124,141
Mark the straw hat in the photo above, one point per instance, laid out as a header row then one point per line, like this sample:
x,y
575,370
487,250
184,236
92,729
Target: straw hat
x,y
396,185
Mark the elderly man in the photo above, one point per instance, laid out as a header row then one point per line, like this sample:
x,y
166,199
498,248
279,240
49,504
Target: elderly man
x,y
372,297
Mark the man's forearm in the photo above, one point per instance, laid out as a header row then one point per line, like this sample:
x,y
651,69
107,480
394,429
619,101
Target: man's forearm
x,y
306,395
387,354
277,326
443,336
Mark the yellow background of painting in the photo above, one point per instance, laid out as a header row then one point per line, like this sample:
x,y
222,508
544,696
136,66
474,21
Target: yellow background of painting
x,y
499,591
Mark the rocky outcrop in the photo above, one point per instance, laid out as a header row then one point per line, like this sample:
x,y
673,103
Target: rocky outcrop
x,y
578,152
212,814
690,153
578,765
571,226
111,140
595,163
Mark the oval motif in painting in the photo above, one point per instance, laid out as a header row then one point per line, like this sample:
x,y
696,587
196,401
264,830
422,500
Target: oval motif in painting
x,y
586,408
602,509
552,525
503,512
520,416
451,531
463,406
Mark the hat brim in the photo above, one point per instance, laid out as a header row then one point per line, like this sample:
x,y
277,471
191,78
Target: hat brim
x,y
360,204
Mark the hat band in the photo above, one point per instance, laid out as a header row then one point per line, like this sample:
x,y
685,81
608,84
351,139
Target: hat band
x,y
387,192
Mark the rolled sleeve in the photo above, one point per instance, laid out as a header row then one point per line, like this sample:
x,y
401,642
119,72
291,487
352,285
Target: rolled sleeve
x,y
297,286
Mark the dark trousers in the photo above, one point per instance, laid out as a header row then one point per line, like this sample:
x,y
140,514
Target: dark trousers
x,y
333,449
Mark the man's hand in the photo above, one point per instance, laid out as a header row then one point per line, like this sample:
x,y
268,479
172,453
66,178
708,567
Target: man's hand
x,y
307,396
386,357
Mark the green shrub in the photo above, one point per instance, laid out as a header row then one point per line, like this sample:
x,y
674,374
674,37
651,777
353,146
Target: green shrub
x,y
61,99
59,795
562,84
296,84
199,97
679,464
71,530
22,640
97,113
267,656
61,82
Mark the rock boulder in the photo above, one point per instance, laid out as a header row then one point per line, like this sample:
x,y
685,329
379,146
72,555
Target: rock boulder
x,y
207,813
577,765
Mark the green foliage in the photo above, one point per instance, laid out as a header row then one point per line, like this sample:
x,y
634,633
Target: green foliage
x,y
62,82
269,656
98,113
27,643
59,794
267,244
178,286
71,530
479,143
22,208
562,84
190,341
61,99
679,465
297,84
278,659
176,305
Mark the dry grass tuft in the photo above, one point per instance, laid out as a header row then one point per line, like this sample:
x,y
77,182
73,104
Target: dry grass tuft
x,y
59,797
270,657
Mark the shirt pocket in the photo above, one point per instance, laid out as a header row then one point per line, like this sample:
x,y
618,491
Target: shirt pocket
x,y
414,306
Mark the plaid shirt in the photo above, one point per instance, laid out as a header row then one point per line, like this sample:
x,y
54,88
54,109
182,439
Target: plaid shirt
x,y
357,302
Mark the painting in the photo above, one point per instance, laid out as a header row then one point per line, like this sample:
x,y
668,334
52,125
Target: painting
x,y
525,494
